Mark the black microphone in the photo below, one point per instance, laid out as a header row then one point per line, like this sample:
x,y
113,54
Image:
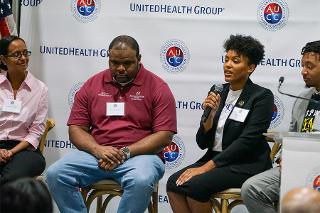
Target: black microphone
x,y
217,89
281,79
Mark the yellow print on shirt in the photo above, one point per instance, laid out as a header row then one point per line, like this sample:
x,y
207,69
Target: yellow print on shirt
x,y
307,125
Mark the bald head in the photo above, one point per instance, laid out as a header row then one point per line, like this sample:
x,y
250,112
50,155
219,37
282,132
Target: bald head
x,y
301,200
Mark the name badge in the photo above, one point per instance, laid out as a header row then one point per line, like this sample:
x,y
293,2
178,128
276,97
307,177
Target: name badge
x,y
12,106
239,114
115,109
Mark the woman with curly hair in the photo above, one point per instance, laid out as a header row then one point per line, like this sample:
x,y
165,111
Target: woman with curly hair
x,y
232,133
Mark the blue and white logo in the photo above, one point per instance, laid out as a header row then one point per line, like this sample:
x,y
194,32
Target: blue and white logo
x,y
174,153
85,10
273,15
73,92
277,112
174,56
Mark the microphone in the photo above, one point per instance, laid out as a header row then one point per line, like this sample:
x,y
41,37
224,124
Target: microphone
x,y
281,79
217,89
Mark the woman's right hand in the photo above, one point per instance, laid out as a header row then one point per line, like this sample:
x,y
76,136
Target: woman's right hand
x,y
212,101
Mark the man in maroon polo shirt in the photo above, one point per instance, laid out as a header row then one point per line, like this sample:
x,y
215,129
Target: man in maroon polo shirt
x,y
120,121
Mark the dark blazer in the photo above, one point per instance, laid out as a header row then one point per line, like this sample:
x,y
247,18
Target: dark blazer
x,y
244,148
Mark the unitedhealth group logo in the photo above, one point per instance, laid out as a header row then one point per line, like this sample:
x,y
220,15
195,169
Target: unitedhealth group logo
x,y
174,56
85,10
273,14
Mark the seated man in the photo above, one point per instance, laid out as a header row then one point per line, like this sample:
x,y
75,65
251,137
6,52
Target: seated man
x,y
121,120
260,193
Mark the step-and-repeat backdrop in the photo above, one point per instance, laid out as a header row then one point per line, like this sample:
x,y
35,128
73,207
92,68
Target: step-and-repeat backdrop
x,y
181,41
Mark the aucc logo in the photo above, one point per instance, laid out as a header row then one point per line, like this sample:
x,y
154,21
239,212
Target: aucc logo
x,y
174,153
85,10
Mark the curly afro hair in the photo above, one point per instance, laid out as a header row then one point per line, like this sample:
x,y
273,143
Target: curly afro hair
x,y
246,46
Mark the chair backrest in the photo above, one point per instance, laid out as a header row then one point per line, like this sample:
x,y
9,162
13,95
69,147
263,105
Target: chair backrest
x,y
49,125
274,150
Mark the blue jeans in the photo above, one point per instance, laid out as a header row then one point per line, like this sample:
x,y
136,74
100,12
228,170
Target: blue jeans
x,y
137,176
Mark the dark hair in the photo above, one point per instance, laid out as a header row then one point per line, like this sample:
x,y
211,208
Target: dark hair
x,y
25,195
246,46
313,46
127,40
4,46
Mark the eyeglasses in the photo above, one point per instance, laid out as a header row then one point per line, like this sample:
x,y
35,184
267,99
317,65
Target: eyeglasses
x,y
19,54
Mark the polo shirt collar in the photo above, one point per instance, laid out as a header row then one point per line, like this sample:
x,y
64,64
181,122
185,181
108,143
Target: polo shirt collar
x,y
139,79
140,76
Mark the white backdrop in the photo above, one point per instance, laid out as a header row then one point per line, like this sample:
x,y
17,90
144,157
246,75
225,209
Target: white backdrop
x,y
68,41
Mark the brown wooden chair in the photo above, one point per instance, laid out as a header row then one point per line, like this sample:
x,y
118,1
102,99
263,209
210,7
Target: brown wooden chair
x,y
112,189
49,125
234,194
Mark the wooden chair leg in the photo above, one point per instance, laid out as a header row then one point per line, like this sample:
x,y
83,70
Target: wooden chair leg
x,y
216,205
99,204
155,202
153,206
234,204
106,202
224,206
150,208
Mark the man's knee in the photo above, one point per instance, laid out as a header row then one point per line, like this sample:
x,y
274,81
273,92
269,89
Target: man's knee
x,y
248,188
52,174
142,182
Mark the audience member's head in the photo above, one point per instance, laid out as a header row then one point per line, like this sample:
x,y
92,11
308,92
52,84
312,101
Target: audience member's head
x,y
310,62
25,195
301,200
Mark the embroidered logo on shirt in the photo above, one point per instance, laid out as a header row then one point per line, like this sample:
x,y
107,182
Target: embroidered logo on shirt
x,y
137,97
104,94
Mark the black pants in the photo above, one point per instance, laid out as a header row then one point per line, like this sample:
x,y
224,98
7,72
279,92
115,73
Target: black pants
x,y
201,187
25,163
